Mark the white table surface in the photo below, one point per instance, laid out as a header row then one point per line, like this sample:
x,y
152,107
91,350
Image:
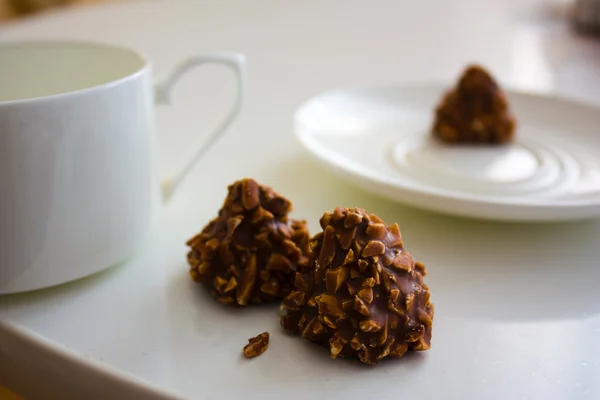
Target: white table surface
x,y
517,306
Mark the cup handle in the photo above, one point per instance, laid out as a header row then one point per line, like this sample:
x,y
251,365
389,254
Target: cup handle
x,y
162,95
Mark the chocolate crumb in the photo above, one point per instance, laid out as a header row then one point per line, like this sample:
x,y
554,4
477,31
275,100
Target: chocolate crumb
x,y
256,345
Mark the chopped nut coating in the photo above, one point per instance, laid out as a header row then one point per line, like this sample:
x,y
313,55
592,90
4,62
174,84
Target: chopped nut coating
x,y
475,111
361,294
250,251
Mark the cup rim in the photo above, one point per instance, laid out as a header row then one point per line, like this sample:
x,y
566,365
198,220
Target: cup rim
x,y
144,61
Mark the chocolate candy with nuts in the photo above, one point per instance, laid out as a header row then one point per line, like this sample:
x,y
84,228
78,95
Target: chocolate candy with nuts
x,y
250,251
476,111
362,295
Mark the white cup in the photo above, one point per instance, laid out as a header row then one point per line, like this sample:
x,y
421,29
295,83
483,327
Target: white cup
x,y
78,187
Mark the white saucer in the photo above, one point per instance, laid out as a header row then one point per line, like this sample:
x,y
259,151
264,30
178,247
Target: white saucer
x,y
379,138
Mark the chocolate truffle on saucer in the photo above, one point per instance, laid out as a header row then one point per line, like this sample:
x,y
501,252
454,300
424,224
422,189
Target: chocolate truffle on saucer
x,y
475,111
249,253
361,294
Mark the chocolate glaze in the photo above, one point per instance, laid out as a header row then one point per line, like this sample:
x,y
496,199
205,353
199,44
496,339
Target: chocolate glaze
x,y
249,253
361,294
475,111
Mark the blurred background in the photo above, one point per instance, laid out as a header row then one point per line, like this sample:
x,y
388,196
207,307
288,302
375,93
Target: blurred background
x,y
13,9
584,14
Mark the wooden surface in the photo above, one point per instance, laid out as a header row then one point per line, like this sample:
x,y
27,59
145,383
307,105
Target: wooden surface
x,y
6,394
7,13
